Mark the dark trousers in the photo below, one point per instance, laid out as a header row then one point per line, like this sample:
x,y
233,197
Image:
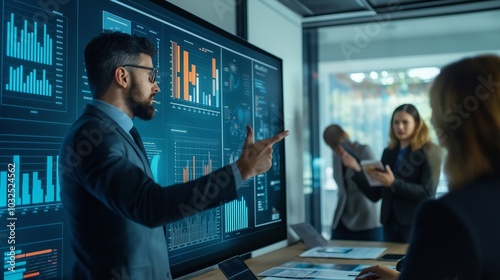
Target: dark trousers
x,y
341,232
395,232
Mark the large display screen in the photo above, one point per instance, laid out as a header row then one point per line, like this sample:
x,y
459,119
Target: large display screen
x,y
212,84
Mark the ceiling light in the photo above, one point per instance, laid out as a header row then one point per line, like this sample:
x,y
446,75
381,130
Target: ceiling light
x,y
357,77
424,73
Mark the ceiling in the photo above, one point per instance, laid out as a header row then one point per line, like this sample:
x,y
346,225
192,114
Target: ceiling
x,y
321,13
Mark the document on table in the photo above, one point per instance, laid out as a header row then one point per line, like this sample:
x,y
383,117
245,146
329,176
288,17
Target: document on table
x,y
300,270
359,253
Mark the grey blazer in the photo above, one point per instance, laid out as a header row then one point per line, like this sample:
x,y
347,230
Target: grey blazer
x,y
114,208
356,211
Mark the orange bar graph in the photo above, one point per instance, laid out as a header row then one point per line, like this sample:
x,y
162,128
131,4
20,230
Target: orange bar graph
x,y
31,275
37,264
192,75
188,72
185,174
214,68
36,253
207,168
189,173
175,70
187,83
185,74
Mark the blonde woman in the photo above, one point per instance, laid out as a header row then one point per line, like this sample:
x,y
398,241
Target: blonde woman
x,y
412,165
457,235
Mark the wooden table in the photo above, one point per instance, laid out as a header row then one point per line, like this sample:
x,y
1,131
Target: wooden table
x,y
292,252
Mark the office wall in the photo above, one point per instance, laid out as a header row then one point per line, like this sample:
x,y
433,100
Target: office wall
x,y
272,27
221,13
421,37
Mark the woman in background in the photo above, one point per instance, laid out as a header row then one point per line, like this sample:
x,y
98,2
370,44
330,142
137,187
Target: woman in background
x,y
457,235
412,166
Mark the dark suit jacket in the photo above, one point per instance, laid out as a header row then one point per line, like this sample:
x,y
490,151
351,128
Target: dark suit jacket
x,y
457,235
416,182
115,209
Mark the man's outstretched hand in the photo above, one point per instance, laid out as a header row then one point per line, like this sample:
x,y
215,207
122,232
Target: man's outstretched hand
x,y
256,158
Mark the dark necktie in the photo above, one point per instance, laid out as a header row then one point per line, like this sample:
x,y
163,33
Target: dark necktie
x,y
138,140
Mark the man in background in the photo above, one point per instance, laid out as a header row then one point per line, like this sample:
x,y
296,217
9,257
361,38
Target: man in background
x,y
356,217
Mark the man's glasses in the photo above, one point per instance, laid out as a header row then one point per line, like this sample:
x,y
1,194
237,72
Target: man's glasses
x,y
152,75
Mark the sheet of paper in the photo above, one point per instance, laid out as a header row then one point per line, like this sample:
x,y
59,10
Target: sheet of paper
x,y
328,275
288,272
306,270
304,273
360,253
314,271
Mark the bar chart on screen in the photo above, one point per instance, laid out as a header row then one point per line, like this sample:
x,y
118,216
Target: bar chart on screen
x,y
194,158
35,171
195,77
236,215
37,254
203,227
35,188
35,57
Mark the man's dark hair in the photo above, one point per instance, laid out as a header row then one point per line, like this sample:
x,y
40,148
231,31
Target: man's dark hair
x,y
110,50
334,135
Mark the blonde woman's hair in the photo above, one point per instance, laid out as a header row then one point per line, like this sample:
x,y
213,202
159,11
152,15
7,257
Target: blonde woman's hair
x,y
465,102
420,136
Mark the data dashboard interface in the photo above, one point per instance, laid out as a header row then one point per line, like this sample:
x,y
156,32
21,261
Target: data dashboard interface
x,y
212,86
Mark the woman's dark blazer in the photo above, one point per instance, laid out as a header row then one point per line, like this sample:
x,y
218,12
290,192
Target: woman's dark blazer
x,y
416,181
456,236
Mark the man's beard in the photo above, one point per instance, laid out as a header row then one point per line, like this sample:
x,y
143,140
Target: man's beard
x,y
143,109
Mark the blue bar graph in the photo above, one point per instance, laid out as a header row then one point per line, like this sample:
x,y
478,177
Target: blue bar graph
x,y
202,227
17,175
58,186
30,187
3,188
25,191
34,56
10,275
28,84
236,215
49,197
26,45
215,88
37,192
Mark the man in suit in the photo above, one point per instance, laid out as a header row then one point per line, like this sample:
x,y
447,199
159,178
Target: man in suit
x,y
356,217
114,207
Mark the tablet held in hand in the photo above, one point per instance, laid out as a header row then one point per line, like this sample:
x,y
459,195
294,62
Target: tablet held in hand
x,y
370,166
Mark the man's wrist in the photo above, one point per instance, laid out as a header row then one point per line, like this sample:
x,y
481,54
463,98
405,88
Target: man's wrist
x,y
245,174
